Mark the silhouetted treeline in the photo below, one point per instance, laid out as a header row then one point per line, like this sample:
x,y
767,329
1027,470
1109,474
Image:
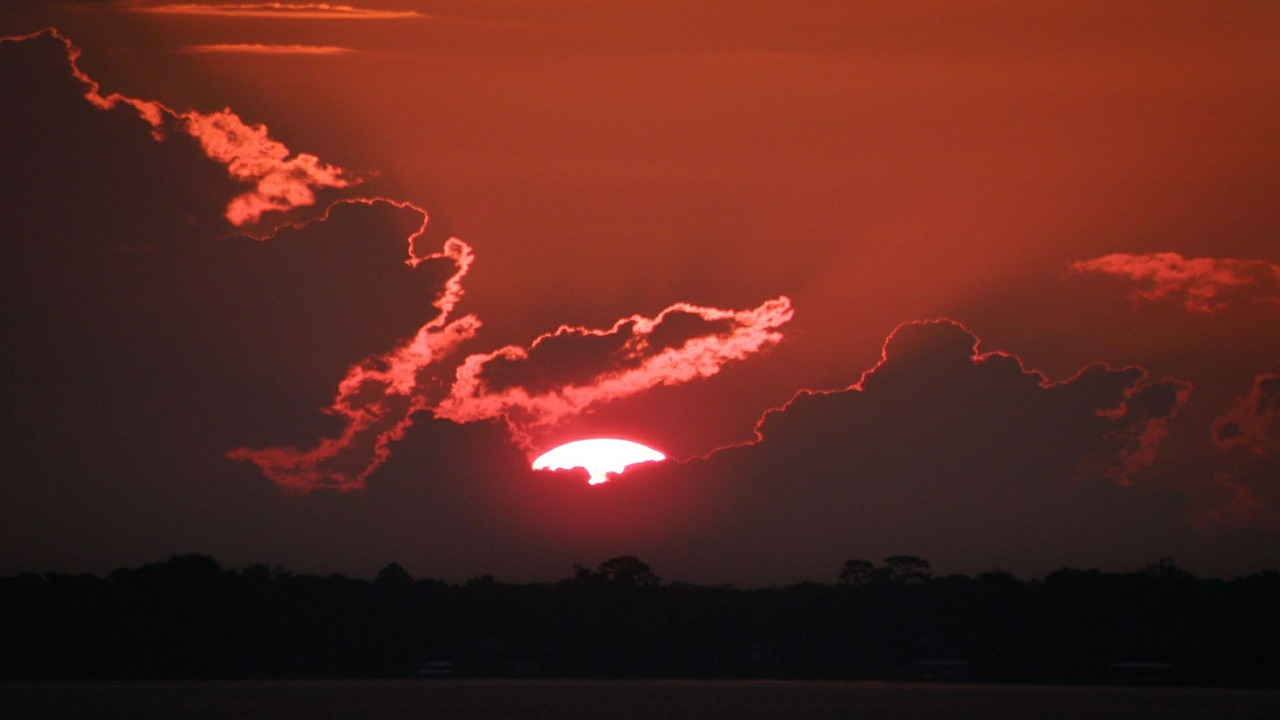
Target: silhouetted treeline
x,y
189,618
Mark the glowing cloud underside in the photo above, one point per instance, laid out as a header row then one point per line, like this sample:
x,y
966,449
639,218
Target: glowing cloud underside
x,y
600,457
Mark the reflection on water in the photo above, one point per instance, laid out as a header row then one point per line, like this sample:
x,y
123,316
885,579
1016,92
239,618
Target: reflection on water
x,y
623,700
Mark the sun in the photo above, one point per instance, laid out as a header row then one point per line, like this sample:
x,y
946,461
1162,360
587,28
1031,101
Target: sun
x,y
600,457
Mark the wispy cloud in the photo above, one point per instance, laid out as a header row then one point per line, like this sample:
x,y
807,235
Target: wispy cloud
x,y
634,355
281,180
1253,424
1202,285
380,396
1249,436
260,49
299,11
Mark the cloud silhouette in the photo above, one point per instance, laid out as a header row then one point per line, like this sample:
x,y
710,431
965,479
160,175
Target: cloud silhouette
x,y
146,340
1253,424
1249,437
1236,490
941,449
934,389
281,180
307,299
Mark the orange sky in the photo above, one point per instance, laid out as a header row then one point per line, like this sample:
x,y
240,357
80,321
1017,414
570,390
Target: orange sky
x,y
872,163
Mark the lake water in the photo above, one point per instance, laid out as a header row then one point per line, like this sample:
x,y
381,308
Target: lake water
x,y
622,700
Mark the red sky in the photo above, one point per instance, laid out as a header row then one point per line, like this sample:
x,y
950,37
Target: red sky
x,y
697,225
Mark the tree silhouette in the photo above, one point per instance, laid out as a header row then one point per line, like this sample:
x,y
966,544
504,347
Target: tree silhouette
x,y
186,617
907,569
393,574
625,570
858,572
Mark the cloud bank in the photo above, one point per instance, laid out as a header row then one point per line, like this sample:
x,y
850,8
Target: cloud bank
x,y
941,449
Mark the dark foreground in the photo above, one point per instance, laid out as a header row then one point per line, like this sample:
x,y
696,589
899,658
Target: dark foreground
x,y
189,619
621,699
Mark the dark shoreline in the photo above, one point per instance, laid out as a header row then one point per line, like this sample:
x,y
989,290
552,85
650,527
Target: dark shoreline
x,y
189,619
623,699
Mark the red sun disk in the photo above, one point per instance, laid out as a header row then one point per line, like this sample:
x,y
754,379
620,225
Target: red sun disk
x,y
600,457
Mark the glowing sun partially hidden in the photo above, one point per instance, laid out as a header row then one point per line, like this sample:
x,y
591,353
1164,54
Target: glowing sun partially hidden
x,y
600,457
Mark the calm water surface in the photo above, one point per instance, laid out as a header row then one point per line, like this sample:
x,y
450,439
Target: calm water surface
x,y
607,700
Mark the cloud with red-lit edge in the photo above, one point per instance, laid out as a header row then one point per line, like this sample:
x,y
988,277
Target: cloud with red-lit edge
x,y
287,286
1202,285
1249,437
134,314
574,370
379,397
933,384
280,180
942,449
144,342
1245,434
